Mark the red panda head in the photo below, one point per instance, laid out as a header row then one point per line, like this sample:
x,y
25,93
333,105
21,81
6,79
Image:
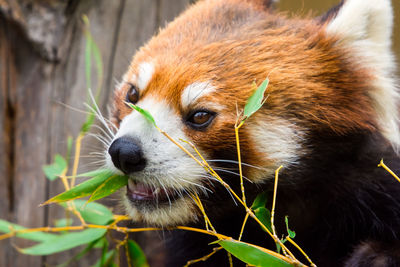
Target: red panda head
x,y
330,75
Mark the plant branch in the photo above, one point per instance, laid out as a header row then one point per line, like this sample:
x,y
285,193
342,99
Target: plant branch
x,y
383,165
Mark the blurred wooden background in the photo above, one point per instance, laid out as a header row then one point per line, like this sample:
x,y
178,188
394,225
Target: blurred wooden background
x,y
42,70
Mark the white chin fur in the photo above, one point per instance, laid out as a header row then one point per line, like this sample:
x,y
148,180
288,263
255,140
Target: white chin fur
x,y
181,211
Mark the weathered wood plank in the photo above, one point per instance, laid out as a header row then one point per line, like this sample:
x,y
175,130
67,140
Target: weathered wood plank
x,y
139,21
69,88
5,163
30,146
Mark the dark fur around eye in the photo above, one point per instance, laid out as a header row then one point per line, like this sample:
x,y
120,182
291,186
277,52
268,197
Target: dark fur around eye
x,y
200,119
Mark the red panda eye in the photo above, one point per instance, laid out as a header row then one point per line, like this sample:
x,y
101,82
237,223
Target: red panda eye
x,y
201,119
132,96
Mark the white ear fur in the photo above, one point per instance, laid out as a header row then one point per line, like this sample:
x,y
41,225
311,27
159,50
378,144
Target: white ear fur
x,y
364,19
365,28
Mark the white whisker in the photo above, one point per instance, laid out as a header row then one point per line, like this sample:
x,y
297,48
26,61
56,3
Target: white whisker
x,y
196,184
101,118
97,153
73,108
216,180
100,138
89,156
234,173
109,137
236,162
166,193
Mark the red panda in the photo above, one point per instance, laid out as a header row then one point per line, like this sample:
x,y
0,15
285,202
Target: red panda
x,y
330,116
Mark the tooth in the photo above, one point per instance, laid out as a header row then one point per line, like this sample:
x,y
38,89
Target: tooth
x,y
131,184
157,191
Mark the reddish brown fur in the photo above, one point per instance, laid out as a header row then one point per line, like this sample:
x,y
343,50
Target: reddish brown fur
x,y
310,85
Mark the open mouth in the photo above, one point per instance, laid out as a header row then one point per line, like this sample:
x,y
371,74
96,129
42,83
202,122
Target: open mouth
x,y
142,194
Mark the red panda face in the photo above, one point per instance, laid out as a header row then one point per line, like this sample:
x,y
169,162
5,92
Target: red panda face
x,y
194,76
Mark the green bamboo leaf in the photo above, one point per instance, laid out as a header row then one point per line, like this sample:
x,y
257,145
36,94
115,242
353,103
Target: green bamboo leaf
x,y
5,227
81,190
91,50
54,170
63,222
111,185
255,101
70,142
145,113
136,254
100,242
252,254
88,123
88,52
99,67
81,253
64,242
92,212
291,233
264,215
278,247
260,201
93,173
104,254
108,260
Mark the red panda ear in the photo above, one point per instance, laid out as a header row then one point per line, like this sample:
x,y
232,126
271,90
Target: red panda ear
x,y
364,27
354,20
331,14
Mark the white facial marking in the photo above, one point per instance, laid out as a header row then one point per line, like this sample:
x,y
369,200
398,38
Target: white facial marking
x,y
167,166
195,91
279,140
365,27
145,73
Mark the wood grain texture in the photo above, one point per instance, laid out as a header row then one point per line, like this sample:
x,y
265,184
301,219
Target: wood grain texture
x,y
69,91
42,83
4,138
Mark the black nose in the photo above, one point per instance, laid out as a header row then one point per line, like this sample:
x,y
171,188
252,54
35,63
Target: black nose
x,y
127,155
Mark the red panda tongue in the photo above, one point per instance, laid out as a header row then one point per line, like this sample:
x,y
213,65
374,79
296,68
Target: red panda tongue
x,y
139,191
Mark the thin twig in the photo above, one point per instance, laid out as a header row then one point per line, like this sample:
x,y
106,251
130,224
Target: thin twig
x,y
274,199
201,207
302,251
206,257
128,258
383,165
237,127
230,259
244,223
76,158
